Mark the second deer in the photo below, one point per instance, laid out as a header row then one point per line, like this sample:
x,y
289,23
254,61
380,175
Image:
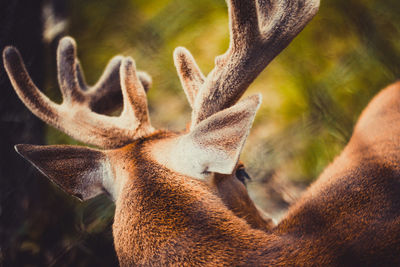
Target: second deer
x,y
169,210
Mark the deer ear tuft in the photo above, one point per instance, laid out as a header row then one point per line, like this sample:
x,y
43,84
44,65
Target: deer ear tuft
x,y
79,171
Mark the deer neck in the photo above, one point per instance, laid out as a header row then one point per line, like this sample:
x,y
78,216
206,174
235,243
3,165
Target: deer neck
x,y
161,215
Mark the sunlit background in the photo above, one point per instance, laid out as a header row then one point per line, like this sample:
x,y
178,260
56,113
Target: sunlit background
x,y
313,93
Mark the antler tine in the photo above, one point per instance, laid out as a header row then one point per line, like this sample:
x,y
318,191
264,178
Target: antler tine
x,y
134,96
259,31
27,91
74,116
243,23
67,74
105,96
189,73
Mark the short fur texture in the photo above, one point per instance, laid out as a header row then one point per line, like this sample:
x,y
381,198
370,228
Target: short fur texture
x,y
253,21
349,217
50,112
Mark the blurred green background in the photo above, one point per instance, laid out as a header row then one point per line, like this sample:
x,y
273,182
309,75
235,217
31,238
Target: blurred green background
x,y
313,93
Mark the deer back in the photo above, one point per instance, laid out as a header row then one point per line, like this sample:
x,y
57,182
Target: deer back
x,y
353,208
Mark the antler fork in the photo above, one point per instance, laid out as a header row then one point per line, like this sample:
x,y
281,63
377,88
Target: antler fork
x,y
259,31
74,115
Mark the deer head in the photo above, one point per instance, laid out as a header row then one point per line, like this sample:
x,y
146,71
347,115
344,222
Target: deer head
x,y
164,183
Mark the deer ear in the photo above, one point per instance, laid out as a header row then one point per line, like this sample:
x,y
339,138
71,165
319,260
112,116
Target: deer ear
x,y
214,145
79,171
220,138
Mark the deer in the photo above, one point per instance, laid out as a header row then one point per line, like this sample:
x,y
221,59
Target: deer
x,y
170,209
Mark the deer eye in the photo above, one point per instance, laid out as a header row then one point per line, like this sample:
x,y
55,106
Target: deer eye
x,y
206,172
242,175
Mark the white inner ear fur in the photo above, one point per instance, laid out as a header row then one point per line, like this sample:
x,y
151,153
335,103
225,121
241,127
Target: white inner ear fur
x,y
184,156
214,145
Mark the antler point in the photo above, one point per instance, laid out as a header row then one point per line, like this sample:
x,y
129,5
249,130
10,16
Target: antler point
x,y
67,44
9,52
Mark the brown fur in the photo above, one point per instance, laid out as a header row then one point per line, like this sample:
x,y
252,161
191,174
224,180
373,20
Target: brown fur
x,y
72,76
355,204
163,218
259,31
234,195
349,217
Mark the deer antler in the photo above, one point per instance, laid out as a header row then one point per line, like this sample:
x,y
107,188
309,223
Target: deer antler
x,y
105,96
259,30
75,115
